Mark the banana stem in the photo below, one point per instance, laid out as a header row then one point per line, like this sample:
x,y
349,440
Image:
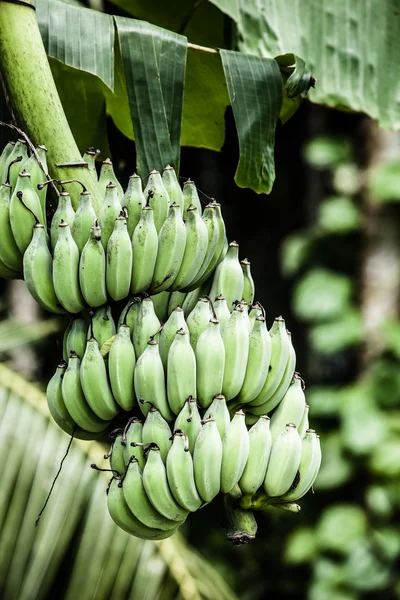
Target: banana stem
x,y
30,84
241,526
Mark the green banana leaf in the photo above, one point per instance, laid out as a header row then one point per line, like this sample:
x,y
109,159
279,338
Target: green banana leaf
x,y
76,551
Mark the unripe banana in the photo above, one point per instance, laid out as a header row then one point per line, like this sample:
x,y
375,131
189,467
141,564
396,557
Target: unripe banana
x,y
65,352
255,311
157,198
218,410
157,489
121,368
20,149
195,249
146,326
290,409
259,452
76,338
65,271
235,452
150,383
180,473
144,251
175,299
32,167
160,303
181,371
236,341
102,326
110,209
134,201
190,197
55,400
5,161
138,502
279,357
172,186
133,435
221,310
116,454
9,252
257,363
248,286
304,424
193,297
38,271
129,313
90,158
228,278
171,248
83,220
75,401
207,460
175,322
198,319
124,518
210,363
92,269
283,462
108,176
189,421
95,382
65,213
25,210
310,463
119,261
157,431
283,386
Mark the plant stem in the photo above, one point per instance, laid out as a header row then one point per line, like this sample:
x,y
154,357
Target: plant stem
x,y
37,106
241,526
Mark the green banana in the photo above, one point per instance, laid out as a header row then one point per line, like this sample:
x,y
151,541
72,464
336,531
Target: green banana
x,y
146,326
189,422
156,485
198,319
64,213
38,271
221,310
207,460
84,219
235,452
181,371
290,409
109,211
260,348
102,326
210,363
255,311
20,149
304,424
175,299
9,251
310,463
157,431
133,434
25,209
92,269
37,174
77,336
138,502
157,198
248,287
171,248
193,297
90,158
121,368
5,161
116,454
190,197
160,303
175,321
218,410
66,271
195,249
134,201
259,452
129,313
180,473
228,278
65,351
283,462
280,346
124,518
107,177
74,398
236,341
172,186
55,399
119,261
144,251
149,381
95,382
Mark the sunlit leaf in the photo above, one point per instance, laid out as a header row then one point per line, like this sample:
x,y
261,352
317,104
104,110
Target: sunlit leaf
x,y
340,525
322,295
339,215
